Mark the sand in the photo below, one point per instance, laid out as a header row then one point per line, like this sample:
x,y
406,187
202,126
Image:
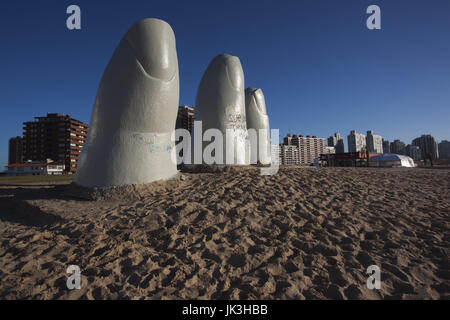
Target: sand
x,y
305,233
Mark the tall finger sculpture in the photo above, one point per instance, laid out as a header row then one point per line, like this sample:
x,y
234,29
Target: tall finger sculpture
x,y
258,120
220,104
129,140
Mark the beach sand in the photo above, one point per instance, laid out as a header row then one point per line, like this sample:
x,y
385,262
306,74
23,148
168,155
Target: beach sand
x,y
304,233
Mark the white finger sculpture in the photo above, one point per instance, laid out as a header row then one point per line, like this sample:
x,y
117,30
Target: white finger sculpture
x,y
258,120
220,105
129,140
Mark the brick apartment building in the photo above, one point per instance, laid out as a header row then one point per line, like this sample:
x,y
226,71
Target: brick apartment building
x,y
56,136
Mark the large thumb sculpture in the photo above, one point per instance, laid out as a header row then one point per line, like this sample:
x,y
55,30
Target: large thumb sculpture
x,y
129,140
258,121
220,105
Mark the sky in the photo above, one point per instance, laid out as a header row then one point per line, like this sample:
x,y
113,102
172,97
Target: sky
x,y
320,68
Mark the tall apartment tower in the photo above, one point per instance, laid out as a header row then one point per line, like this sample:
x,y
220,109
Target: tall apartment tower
x,y
356,141
15,150
287,141
289,152
398,147
56,136
185,118
386,146
337,142
444,149
308,147
427,145
374,142
289,155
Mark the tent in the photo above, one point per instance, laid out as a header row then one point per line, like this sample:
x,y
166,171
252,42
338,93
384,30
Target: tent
x,y
391,160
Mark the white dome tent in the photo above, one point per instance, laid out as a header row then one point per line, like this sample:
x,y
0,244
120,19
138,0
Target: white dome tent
x,y
391,160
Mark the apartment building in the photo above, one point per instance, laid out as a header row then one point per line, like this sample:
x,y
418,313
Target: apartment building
x,y
308,148
55,136
289,155
356,142
15,150
374,142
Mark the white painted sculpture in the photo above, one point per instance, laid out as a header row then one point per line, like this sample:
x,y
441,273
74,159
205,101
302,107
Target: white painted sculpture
x,y
257,119
220,104
129,140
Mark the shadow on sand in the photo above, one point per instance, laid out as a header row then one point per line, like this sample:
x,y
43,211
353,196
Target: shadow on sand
x,y
14,205
19,211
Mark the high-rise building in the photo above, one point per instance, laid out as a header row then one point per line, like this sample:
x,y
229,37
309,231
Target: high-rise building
x,y
309,147
337,142
356,142
427,145
289,155
386,146
15,150
398,147
374,142
340,148
413,152
287,141
185,118
56,136
332,140
444,149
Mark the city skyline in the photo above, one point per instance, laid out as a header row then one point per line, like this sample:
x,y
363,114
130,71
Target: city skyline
x,y
322,71
185,108
344,138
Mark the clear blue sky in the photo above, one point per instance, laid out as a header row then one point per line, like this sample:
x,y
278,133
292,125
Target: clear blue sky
x,y
320,68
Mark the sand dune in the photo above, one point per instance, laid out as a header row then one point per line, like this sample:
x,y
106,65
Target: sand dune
x,y
305,233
